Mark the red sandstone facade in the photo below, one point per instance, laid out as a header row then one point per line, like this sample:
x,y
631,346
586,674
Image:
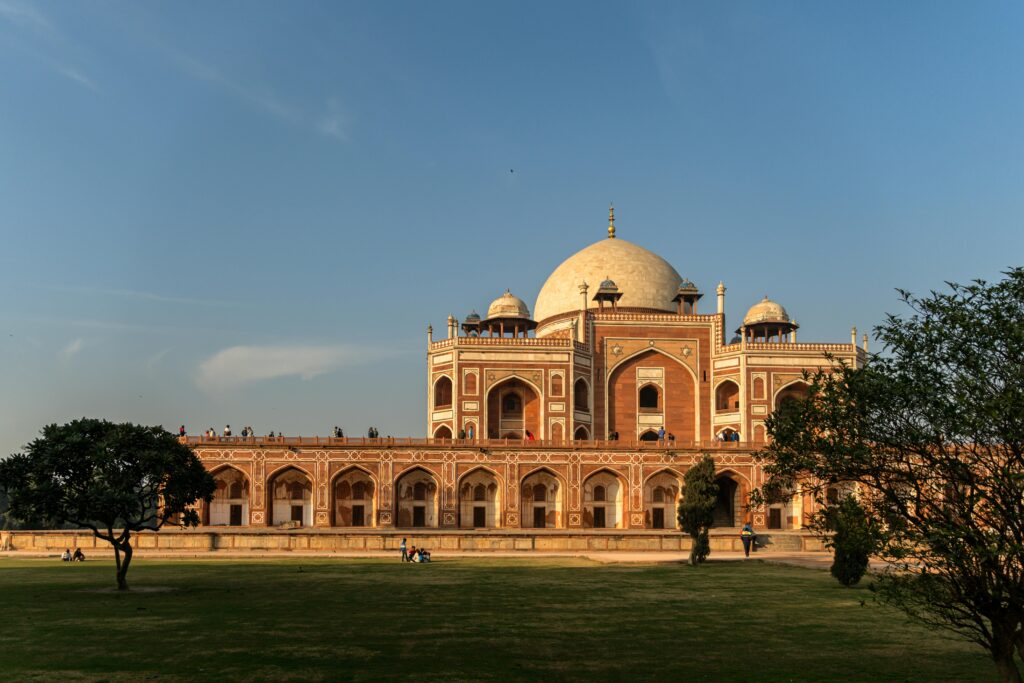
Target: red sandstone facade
x,y
553,423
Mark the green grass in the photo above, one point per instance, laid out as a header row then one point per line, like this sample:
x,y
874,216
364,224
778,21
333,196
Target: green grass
x,y
466,619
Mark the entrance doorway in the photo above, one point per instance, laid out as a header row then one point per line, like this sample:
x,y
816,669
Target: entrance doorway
x,y
297,513
479,517
236,515
419,516
599,518
358,515
658,520
774,518
540,515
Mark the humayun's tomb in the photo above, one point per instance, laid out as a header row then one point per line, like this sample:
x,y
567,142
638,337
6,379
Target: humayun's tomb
x,y
552,421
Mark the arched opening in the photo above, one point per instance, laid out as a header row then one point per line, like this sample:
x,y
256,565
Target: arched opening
x,y
649,435
677,400
542,501
581,434
291,498
479,500
661,498
727,397
759,433
602,501
469,383
416,499
794,392
649,398
730,502
230,504
443,432
470,430
354,499
581,395
557,385
442,392
728,434
513,410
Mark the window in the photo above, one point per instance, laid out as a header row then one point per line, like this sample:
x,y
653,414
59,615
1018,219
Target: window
x,y
556,385
442,392
540,493
419,491
479,492
581,400
599,493
359,491
470,382
511,404
649,397
235,490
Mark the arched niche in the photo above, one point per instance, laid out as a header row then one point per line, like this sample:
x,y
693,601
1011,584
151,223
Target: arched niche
x,y
541,500
603,493
354,499
290,494
416,499
230,504
480,500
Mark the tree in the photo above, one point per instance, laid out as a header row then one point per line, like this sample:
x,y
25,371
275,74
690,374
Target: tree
x,y
932,432
850,531
111,478
696,507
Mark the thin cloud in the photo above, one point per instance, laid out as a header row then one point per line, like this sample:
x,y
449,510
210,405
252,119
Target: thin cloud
x,y
77,77
141,295
262,97
24,15
71,350
334,123
241,365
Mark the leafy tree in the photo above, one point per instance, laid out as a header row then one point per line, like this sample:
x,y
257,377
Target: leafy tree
x,y
696,507
111,478
851,533
932,432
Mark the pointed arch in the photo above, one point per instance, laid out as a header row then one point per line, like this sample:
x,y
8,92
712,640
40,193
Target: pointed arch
x,y
443,432
231,498
582,433
796,389
514,409
733,500
543,495
353,497
727,396
679,408
417,495
662,490
604,493
289,494
480,498
581,395
443,392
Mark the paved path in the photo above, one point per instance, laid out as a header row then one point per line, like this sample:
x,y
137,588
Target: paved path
x,y
802,559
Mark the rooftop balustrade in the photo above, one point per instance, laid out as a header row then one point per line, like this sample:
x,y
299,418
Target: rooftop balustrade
x,y
411,442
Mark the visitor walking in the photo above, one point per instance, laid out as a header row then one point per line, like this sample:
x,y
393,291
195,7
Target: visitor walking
x,y
661,433
405,555
747,536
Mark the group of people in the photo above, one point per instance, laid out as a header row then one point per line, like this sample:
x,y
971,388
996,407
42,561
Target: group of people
x,y
414,555
68,556
663,435
728,436
372,433
339,433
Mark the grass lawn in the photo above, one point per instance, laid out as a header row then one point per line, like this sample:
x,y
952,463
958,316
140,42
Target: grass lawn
x,y
464,619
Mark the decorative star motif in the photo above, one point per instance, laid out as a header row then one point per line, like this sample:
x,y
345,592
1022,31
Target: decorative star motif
x,y
616,350
686,351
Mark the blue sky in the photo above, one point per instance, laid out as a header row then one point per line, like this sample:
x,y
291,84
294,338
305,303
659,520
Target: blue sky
x,y
247,213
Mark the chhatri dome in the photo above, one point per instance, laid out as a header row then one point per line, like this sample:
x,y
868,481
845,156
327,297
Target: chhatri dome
x,y
645,279
508,306
766,311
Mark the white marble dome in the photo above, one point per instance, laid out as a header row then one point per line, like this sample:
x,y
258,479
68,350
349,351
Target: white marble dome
x,y
645,279
508,306
766,311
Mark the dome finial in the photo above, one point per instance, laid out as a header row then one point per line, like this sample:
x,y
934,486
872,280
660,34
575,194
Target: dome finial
x,y
611,221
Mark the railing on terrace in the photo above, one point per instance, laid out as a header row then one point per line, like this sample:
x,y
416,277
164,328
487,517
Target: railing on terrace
x,y
787,346
410,442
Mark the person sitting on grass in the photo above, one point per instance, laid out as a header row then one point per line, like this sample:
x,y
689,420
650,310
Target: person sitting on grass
x,y
66,555
79,556
424,555
414,555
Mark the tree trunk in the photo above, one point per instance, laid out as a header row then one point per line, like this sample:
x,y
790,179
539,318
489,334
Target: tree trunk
x,y
1002,647
122,565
